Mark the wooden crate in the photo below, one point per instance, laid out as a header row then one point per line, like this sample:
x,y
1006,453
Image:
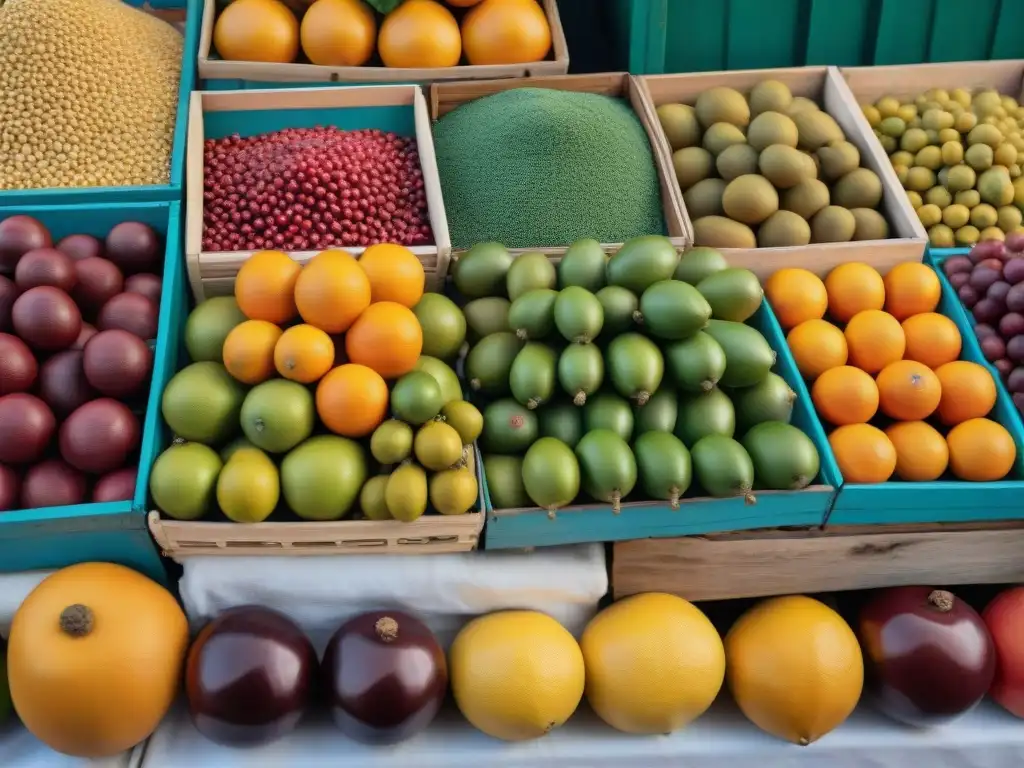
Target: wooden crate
x,y
431,534
780,562
213,68
825,86
868,84
213,273
444,97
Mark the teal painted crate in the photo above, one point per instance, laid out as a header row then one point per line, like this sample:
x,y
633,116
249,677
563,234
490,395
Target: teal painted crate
x,y
400,109
946,500
154,192
115,531
218,75
663,36
533,527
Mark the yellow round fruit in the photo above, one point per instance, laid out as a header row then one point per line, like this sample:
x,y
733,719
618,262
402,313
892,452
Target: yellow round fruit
x,y
654,663
516,675
794,668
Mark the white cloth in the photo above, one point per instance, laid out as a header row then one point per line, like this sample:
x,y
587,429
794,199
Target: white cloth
x,y
985,738
446,591
18,748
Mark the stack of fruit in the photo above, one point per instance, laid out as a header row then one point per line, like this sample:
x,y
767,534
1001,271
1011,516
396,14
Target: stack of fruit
x,y
75,364
317,395
886,357
605,372
416,34
772,162
958,156
990,284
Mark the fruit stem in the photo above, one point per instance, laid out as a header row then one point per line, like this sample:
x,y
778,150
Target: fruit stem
x,y
616,502
474,383
642,398
532,403
580,398
522,334
942,600
673,498
707,385
551,512
76,620
386,629
749,498
582,340
800,481
638,317
259,425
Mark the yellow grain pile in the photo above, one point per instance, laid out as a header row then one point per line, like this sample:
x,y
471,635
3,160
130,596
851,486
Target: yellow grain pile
x,y
88,94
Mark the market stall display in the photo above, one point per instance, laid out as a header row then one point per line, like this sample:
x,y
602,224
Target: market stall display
x,y
94,112
783,152
631,397
78,322
287,43
308,169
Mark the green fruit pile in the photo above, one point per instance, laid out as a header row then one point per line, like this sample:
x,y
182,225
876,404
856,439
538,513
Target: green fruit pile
x,y
958,155
624,377
769,170
251,451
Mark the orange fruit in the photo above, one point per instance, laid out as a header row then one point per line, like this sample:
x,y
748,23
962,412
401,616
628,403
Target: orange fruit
x,y
332,291
387,338
249,351
968,392
265,287
981,451
395,274
875,339
462,3
864,453
352,400
853,288
506,32
911,289
908,390
420,34
304,354
796,295
257,30
845,395
932,339
339,33
921,451
817,346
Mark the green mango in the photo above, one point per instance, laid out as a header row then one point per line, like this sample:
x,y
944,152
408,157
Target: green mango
x,y
551,474
636,366
482,270
641,262
532,377
489,363
663,465
607,467
580,371
584,264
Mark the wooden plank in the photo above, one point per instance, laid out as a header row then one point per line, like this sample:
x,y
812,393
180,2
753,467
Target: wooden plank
x,y
758,564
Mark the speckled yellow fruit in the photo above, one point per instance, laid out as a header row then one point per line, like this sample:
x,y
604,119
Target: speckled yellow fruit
x,y
516,675
794,668
654,663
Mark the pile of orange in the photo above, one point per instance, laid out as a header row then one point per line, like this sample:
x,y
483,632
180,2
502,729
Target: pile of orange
x,y
886,375
342,324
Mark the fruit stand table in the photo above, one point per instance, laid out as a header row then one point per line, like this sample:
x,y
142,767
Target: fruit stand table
x,y
18,748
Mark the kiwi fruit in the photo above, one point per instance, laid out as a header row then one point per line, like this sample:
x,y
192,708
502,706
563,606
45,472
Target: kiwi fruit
x,y
869,224
770,96
679,122
833,224
929,215
782,229
692,164
737,160
704,198
772,128
860,188
816,129
722,105
750,199
915,199
720,232
721,136
806,198
801,104
838,158
785,166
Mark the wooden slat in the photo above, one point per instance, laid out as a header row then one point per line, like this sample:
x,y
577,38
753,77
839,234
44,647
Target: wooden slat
x,y
869,84
756,564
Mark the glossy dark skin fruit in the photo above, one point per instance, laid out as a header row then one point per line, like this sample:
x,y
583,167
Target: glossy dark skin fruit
x,y
385,677
928,660
249,677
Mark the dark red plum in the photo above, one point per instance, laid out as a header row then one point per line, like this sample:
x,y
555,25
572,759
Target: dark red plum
x,y
1015,242
1015,349
1011,324
982,277
1018,400
987,249
998,291
960,279
1015,380
993,348
957,264
1015,298
988,311
1004,366
968,296
984,330
1013,271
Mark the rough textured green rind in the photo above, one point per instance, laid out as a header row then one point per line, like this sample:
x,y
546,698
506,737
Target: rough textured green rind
x,y
641,262
663,465
581,371
723,467
784,458
695,364
660,413
583,264
509,428
490,361
532,378
505,481
636,366
551,474
673,310
606,410
607,466
562,421
748,356
706,413
769,400
532,315
534,167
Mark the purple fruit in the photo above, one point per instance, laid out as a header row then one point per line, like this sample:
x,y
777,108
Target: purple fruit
x,y
1015,243
988,311
983,331
993,348
995,264
982,277
968,296
1015,298
1015,349
1011,324
957,264
1004,366
989,249
1018,400
960,279
1015,380
998,291
1013,271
